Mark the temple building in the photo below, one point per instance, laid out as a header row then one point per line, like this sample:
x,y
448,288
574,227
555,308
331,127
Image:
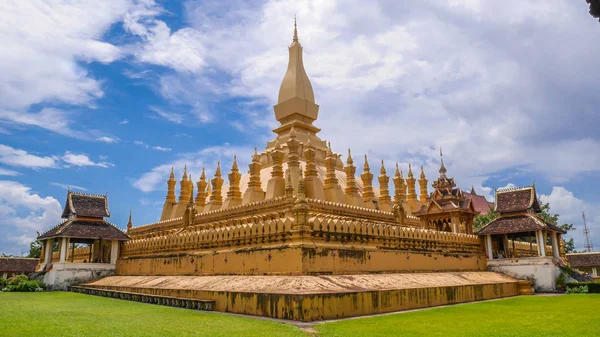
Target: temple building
x,y
302,236
447,209
84,225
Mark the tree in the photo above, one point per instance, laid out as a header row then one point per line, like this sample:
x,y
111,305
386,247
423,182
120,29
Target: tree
x,y
482,220
594,8
552,218
35,249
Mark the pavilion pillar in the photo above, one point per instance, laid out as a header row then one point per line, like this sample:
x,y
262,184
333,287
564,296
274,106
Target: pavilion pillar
x,y
555,248
541,244
114,251
488,245
48,251
63,250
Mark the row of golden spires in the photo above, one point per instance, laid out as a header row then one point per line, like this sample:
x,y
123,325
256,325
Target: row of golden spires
x,y
405,189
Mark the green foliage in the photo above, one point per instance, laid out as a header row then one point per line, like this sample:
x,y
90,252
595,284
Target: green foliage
x,y
577,290
20,283
561,282
552,218
592,287
35,249
482,220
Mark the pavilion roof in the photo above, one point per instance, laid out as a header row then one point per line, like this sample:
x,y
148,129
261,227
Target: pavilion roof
x,y
86,205
584,260
519,223
17,264
86,229
517,200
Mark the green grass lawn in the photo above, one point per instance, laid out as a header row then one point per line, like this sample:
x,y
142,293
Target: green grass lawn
x,y
68,314
569,315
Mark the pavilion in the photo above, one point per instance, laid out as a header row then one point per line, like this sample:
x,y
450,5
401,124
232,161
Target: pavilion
x,y
516,242
84,224
519,223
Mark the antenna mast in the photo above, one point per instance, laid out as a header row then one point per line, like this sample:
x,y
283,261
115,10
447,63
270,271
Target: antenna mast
x,y
588,244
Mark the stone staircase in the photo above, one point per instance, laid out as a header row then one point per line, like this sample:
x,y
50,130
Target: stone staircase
x,y
187,303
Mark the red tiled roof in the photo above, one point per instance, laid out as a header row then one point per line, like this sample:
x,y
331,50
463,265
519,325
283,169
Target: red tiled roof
x,y
517,224
86,229
17,265
481,205
516,200
584,260
86,205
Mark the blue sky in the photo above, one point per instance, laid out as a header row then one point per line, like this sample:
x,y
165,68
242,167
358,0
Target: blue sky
x,y
106,97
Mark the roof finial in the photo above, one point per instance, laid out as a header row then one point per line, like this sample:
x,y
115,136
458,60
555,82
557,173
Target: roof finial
x,y
295,39
442,168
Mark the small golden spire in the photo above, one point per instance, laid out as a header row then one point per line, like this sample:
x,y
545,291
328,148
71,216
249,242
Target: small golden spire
x,y
129,223
410,174
366,166
203,175
295,39
218,171
349,161
397,174
382,170
172,176
234,167
184,178
422,173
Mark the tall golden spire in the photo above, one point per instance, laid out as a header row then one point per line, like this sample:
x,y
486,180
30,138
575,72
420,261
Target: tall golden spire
x,y
254,191
423,194
351,193
295,39
385,202
216,198
367,180
296,101
171,187
184,192
201,195
399,187
410,181
234,195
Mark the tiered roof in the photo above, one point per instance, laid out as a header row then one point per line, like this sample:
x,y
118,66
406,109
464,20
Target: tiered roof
x,y
84,214
518,208
86,205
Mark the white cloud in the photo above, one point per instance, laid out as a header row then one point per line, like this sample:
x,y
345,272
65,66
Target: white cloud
x,y
15,157
168,116
194,161
123,122
466,75
82,160
107,139
160,148
40,60
570,208
22,213
7,172
67,187
44,60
